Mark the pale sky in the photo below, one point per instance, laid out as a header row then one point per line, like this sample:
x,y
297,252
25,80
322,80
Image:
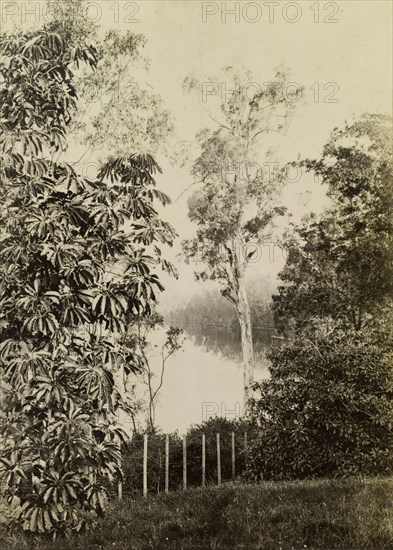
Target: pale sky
x,y
350,59
341,52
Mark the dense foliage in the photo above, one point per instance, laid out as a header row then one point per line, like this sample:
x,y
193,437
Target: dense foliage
x,y
339,266
77,257
117,111
328,407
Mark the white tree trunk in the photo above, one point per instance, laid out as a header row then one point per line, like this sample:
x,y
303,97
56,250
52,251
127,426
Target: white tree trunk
x,y
236,293
244,316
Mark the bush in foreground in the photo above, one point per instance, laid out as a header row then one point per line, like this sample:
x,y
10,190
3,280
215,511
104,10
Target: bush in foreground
x,y
326,410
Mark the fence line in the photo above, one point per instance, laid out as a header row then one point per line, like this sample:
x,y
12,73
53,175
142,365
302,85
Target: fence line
x,y
168,463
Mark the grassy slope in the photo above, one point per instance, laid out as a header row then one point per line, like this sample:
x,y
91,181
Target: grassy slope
x,y
325,514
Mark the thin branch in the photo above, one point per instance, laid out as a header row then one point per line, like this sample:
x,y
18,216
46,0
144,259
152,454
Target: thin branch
x,y
188,187
271,130
163,359
220,124
227,294
84,154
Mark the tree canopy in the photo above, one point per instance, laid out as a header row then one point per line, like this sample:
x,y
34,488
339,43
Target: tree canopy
x,y
327,409
237,200
340,266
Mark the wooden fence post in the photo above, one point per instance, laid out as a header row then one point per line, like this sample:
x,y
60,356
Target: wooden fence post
x,y
218,460
203,460
184,462
120,485
245,449
120,491
233,456
145,465
167,463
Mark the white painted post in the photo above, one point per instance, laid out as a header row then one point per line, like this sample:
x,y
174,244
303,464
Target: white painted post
x,y
184,462
145,465
218,460
167,463
120,490
245,449
203,460
233,457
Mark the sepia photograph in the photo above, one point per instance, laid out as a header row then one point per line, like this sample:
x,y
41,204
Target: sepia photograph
x,y
196,275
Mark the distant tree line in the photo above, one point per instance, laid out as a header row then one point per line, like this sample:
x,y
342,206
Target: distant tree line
x,y
210,307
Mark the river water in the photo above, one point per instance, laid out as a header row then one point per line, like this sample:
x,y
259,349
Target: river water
x,y
203,379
